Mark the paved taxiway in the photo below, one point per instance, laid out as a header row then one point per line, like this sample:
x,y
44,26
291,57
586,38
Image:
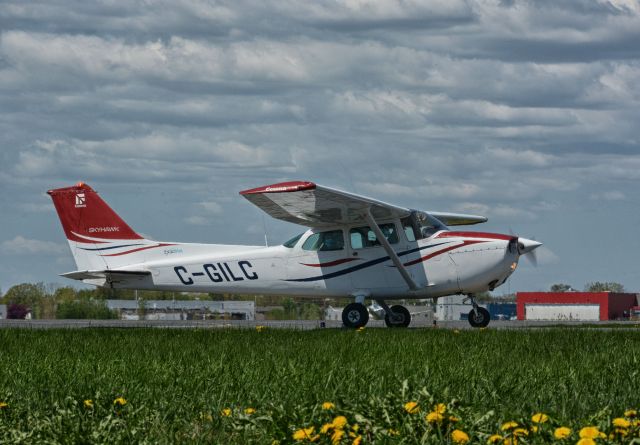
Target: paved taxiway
x,y
287,324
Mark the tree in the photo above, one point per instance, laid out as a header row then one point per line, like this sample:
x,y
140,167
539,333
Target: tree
x,y
26,294
598,286
17,311
560,287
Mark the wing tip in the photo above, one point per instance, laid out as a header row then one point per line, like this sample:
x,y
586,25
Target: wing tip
x,y
281,187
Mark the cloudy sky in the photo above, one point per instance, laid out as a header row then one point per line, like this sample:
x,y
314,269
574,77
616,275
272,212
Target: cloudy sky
x,y
525,112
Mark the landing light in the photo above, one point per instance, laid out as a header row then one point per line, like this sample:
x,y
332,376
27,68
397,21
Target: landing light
x,y
513,266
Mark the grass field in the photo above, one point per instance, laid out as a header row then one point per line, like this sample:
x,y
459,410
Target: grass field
x,y
161,386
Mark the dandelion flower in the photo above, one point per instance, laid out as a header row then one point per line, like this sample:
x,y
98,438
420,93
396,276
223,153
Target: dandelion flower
x,y
339,422
336,437
357,440
120,401
360,329
4,405
630,413
619,422
520,432
392,432
509,425
260,328
440,408
328,405
226,412
591,432
326,427
534,429
303,434
88,403
495,438
434,417
411,407
586,441
562,433
249,411
454,419
459,436
539,418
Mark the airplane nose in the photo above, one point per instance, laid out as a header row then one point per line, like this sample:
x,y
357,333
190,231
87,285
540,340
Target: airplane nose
x,y
527,245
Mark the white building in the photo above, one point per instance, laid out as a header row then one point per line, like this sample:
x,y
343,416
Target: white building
x,y
183,309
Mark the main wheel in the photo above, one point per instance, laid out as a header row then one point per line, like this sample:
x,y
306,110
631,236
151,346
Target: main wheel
x,y
479,318
399,318
355,315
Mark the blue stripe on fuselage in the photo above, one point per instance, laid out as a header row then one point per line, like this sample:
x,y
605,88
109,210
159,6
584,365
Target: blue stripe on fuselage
x,y
364,265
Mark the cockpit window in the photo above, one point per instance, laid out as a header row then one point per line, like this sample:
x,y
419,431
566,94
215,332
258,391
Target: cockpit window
x,y
420,225
325,241
362,237
293,241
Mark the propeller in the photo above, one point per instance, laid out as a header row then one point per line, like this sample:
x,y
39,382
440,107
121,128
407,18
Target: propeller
x,y
526,248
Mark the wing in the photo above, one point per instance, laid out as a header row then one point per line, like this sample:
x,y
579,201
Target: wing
x,y
458,219
313,205
110,277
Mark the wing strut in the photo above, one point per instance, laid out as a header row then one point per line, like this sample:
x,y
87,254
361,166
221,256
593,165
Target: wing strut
x,y
392,254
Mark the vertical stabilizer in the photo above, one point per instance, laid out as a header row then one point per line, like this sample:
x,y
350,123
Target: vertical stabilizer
x,y
98,237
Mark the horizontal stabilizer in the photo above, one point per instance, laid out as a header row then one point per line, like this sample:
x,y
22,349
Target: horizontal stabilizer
x,y
108,277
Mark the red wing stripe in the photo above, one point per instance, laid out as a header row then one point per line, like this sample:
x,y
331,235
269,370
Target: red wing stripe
x,y
441,251
331,263
139,249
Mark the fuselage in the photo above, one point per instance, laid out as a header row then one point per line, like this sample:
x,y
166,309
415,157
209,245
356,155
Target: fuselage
x,y
444,263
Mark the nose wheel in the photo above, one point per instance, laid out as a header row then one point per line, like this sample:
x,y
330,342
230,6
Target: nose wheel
x,y
355,315
479,317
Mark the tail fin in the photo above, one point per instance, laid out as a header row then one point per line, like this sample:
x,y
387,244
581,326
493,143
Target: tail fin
x,y
96,234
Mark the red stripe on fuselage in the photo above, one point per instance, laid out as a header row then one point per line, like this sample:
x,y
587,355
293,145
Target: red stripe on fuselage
x,y
331,263
475,235
441,251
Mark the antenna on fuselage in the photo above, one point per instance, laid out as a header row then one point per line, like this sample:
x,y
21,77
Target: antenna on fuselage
x,y
264,226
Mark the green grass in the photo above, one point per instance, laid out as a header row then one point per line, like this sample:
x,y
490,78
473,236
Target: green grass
x,y
176,382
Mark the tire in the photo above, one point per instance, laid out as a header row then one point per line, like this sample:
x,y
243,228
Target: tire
x,y
480,319
355,315
401,319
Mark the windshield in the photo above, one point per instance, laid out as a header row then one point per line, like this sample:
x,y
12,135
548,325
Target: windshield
x,y
293,241
421,225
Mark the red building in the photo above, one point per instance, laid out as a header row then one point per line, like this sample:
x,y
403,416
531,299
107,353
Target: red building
x,y
577,306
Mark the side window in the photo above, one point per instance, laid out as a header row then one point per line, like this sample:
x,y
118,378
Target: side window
x,y
409,229
325,241
362,237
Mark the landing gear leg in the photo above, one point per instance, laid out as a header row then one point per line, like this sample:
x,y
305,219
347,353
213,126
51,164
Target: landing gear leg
x,y
479,317
395,316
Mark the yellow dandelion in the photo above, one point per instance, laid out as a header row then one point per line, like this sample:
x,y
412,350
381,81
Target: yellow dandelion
x,y
260,328
586,441
509,425
619,422
120,401
88,403
360,329
591,432
355,427
303,434
226,412
630,413
4,405
494,438
336,437
440,408
455,331
249,411
534,429
454,419
357,440
510,441
562,433
328,406
325,428
539,418
459,436
392,432
520,432
411,407
622,431
339,422
434,417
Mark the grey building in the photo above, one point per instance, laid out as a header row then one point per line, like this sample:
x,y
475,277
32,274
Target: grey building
x,y
183,309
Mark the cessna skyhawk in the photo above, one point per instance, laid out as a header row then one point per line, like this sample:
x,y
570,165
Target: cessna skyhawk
x,y
354,246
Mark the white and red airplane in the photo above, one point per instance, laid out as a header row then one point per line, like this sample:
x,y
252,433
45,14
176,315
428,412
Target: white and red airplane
x,y
355,246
